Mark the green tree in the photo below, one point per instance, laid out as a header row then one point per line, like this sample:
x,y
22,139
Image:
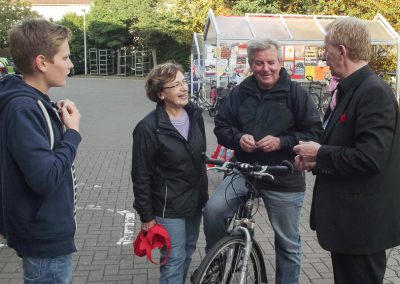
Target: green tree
x,y
168,26
256,6
75,23
110,21
12,12
383,58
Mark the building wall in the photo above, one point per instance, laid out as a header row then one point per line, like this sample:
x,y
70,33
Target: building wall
x,y
56,9
57,12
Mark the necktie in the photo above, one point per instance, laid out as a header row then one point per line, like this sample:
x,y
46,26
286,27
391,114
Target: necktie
x,y
332,104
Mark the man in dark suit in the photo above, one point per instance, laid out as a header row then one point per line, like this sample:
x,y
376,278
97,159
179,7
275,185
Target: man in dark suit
x,y
356,201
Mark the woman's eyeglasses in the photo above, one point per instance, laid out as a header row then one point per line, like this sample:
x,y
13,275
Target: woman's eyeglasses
x,y
177,85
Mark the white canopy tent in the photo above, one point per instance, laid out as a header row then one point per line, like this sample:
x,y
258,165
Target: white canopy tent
x,y
223,51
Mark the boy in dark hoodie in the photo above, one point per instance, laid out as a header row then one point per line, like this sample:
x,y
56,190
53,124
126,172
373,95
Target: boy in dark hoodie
x,y
38,144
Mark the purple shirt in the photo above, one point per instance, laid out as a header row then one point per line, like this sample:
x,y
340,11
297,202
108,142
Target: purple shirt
x,y
182,124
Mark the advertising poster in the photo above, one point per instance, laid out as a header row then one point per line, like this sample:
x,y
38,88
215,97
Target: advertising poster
x,y
225,52
311,56
242,50
310,71
210,60
299,68
289,66
289,52
299,51
241,62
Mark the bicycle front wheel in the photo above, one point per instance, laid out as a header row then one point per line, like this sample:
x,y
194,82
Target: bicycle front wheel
x,y
223,263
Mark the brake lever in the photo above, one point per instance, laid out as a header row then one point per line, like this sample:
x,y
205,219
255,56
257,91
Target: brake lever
x,y
223,168
261,175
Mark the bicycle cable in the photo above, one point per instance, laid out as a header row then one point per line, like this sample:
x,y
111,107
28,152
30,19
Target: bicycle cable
x,y
236,176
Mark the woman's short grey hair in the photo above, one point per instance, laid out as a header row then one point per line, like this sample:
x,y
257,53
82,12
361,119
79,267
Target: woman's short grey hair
x,y
257,44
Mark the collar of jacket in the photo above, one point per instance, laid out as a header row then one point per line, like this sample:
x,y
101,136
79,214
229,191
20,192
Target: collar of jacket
x,y
163,120
250,85
351,82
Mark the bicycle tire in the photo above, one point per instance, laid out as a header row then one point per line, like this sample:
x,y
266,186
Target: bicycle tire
x,y
315,99
212,112
213,268
325,101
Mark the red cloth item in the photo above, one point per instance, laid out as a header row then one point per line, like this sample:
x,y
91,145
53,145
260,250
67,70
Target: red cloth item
x,y
156,237
221,153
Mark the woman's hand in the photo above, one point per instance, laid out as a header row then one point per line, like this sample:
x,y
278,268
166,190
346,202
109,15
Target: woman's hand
x,y
147,226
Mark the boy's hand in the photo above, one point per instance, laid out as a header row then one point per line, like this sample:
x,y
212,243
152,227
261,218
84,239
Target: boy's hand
x,y
70,116
64,103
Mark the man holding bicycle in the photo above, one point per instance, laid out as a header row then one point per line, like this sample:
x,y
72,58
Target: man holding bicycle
x,y
262,119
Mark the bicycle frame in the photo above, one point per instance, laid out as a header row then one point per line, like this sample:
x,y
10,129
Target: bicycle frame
x,y
243,223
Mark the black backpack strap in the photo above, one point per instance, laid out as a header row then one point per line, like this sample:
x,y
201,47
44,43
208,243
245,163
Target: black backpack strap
x,y
292,95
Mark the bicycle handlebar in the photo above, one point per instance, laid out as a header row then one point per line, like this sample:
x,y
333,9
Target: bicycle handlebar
x,y
252,169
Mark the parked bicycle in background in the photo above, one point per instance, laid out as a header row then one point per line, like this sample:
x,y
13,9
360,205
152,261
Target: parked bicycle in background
x,y
209,97
319,93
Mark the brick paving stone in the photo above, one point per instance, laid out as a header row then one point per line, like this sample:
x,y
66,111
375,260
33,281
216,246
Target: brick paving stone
x,y
105,191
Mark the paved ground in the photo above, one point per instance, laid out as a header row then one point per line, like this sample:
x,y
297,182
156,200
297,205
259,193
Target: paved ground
x,y
106,221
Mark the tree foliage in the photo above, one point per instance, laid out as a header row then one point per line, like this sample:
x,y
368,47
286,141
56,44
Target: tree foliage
x,y
10,14
167,26
75,24
383,58
169,30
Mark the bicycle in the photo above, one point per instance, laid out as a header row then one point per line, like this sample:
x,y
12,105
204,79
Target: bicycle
x,y
237,258
200,100
221,93
319,95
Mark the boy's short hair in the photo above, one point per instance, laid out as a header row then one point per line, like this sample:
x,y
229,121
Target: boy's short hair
x,y
35,37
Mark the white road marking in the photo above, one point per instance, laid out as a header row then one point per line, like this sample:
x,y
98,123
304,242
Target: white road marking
x,y
129,224
129,228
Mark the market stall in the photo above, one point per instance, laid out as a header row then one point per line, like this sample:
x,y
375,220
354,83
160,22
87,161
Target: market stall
x,y
196,60
224,49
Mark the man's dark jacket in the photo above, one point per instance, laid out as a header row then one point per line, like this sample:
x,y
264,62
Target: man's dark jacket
x,y
37,192
168,173
285,111
356,201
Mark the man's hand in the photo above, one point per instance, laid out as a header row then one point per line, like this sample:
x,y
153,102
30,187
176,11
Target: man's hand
x,y
307,150
247,143
269,143
70,116
306,155
148,225
302,165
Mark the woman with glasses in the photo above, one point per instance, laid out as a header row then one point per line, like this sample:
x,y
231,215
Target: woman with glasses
x,y
168,174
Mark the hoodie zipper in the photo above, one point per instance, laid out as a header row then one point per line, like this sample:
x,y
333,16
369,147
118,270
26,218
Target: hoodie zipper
x,y
165,200
51,134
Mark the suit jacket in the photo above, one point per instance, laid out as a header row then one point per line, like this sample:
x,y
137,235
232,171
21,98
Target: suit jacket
x,y
356,200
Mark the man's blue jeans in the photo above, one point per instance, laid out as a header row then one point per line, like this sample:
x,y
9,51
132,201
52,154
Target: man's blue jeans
x,y
283,210
47,270
184,233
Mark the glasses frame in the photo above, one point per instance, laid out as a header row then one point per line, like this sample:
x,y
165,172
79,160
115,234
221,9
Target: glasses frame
x,y
178,85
